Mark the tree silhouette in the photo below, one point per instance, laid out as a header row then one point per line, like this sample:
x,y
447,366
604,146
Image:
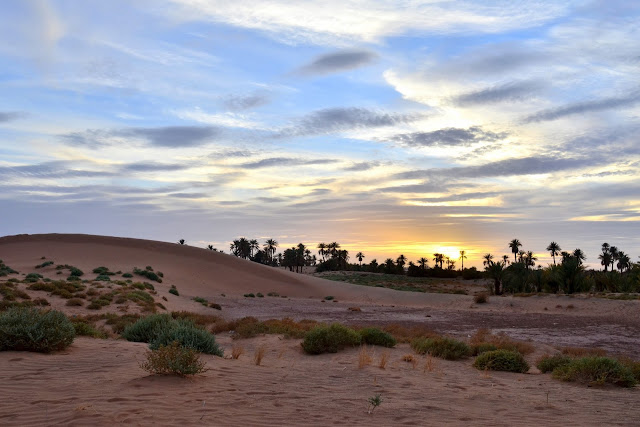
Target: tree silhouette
x,y
579,255
360,257
554,249
530,259
270,248
423,263
181,241
438,259
505,259
322,250
496,271
515,245
487,259
401,261
463,255
614,256
210,247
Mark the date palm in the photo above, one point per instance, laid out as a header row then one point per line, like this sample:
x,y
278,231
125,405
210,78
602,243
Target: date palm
x,y
423,263
322,250
580,256
505,259
515,247
401,261
614,256
463,256
487,259
270,248
360,257
554,250
438,259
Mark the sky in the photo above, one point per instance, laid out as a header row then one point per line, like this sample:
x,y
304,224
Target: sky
x,y
390,127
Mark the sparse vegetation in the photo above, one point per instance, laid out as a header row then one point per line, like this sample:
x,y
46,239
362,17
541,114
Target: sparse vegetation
x,y
148,273
330,339
173,290
596,370
483,340
481,298
374,402
501,360
374,336
549,363
173,359
259,355
5,270
44,264
31,329
442,347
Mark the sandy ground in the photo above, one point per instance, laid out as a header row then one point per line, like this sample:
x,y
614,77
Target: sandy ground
x,y
100,382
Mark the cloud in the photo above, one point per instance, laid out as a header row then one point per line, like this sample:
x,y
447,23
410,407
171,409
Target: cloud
x,y
7,116
48,170
240,102
449,137
361,166
337,61
168,136
153,167
283,161
505,92
331,120
459,197
584,107
508,167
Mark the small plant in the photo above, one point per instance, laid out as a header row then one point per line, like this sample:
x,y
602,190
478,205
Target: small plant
x,y
174,291
384,358
30,329
330,339
481,298
201,300
173,359
149,274
374,336
429,364
374,402
442,347
44,264
249,295
236,351
187,335
357,309
595,370
103,278
364,358
258,355
83,328
259,295
74,302
549,363
148,328
127,275
408,358
501,360
215,306
329,297
181,241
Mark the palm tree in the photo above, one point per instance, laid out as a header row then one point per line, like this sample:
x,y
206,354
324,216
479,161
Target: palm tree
x,y
614,256
463,255
401,261
531,259
521,255
181,241
438,259
322,250
487,259
253,246
624,261
423,263
210,247
452,264
605,259
360,257
580,256
515,245
505,259
270,248
333,248
496,271
554,249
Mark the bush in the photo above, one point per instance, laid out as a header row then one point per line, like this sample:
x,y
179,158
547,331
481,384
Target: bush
x,y
502,360
29,329
173,359
481,298
549,363
82,328
187,335
148,328
330,339
103,278
251,295
201,300
482,348
174,291
74,302
127,275
149,274
596,370
442,347
374,336
44,264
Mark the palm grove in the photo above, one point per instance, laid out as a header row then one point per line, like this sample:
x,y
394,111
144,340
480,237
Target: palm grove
x,y
515,273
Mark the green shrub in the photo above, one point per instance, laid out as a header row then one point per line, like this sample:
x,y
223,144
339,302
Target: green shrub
x,y
549,363
330,339
149,274
5,270
329,297
103,278
260,295
75,302
596,370
174,291
502,360
374,336
127,275
201,300
249,295
82,328
147,328
442,347
44,264
187,335
30,329
173,359
215,305
483,347
32,277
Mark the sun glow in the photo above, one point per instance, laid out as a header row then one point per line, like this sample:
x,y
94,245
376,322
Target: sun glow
x,y
452,252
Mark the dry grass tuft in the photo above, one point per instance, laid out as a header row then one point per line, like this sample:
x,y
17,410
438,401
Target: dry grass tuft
x,y
408,358
404,334
355,309
481,298
364,358
384,358
236,351
484,338
583,351
430,364
258,355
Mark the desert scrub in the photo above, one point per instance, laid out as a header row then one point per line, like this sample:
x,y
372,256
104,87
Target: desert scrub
x,y
501,360
30,329
74,302
483,340
5,270
148,273
330,339
201,300
10,293
187,335
442,347
374,336
174,291
596,370
481,298
32,277
549,363
173,359
84,328
147,328
44,264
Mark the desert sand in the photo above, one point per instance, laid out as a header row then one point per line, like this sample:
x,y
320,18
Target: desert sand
x,y
99,382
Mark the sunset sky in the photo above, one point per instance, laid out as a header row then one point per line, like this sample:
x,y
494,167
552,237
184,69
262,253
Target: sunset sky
x,y
389,126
